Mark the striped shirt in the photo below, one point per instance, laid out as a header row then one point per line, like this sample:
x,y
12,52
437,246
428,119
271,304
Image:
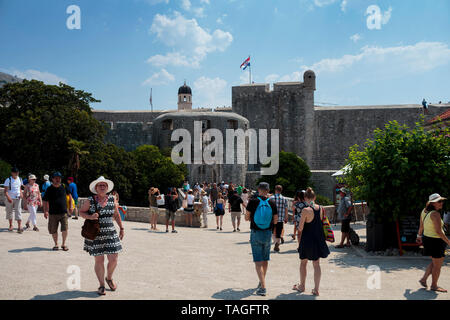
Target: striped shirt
x,y
281,203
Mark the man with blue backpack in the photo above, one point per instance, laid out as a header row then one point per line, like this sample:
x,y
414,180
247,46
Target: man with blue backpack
x,y
262,214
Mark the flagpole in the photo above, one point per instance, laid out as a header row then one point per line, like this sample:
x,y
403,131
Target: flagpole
x,y
250,72
151,99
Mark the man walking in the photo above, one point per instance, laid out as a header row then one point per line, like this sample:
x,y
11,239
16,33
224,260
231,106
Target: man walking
x,y
214,194
74,192
344,214
14,196
45,185
262,214
234,207
55,210
282,211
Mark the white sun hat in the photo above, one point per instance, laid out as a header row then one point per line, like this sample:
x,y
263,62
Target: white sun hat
x,y
435,197
101,179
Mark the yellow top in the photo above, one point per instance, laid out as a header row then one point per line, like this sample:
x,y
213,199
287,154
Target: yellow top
x,y
428,225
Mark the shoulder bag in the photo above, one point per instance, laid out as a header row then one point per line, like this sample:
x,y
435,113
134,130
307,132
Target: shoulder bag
x,y
91,228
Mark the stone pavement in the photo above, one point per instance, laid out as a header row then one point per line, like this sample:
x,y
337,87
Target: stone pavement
x,y
197,264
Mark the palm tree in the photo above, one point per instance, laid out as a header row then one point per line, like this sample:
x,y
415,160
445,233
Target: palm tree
x,y
76,149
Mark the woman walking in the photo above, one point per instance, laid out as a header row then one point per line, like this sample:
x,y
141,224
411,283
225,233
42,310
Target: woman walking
x,y
152,195
189,210
434,240
104,208
219,211
312,241
33,200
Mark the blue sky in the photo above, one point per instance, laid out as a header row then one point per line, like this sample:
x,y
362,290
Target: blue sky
x,y
124,48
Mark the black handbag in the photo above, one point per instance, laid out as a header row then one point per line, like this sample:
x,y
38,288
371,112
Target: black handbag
x,y
91,228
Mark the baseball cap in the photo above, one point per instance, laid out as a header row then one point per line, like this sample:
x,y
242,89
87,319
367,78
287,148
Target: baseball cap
x,y
57,174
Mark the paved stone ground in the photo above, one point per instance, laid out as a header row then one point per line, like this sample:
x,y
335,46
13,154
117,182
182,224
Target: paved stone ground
x,y
197,264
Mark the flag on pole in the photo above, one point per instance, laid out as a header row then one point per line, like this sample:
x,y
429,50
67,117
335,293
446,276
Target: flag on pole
x,y
151,99
246,63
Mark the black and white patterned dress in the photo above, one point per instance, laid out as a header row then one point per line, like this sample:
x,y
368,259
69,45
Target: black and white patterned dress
x,y
107,241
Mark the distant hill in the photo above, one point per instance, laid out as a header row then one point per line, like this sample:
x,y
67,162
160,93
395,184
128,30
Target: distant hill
x,y
7,78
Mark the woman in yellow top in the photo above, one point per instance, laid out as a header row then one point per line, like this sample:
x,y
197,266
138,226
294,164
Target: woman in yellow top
x,y
434,240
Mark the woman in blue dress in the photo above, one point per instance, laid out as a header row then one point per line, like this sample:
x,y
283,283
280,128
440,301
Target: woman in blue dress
x,y
219,211
312,241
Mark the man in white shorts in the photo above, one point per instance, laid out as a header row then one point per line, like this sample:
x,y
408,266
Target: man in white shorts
x,y
14,196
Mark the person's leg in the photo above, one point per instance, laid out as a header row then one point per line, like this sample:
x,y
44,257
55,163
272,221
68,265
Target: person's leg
x,y
436,272
191,216
233,220
64,238
17,208
427,273
217,221
260,272
112,264
265,266
303,265
9,213
317,275
238,221
100,269
221,221
64,229
173,221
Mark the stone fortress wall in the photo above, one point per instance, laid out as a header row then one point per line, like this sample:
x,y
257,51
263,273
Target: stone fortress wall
x,y
320,135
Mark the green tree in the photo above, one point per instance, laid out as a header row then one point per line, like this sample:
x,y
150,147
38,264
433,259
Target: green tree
x,y
39,120
399,168
155,170
293,174
5,170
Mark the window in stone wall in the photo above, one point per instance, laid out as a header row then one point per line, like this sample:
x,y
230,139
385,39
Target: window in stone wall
x,y
232,124
167,124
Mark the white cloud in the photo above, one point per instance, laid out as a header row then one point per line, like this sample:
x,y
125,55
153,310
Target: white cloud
x,y
188,39
272,78
153,2
323,3
211,92
186,5
356,37
199,12
344,4
159,78
220,19
204,1
400,60
46,77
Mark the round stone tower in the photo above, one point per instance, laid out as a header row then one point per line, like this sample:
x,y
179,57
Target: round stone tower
x,y
184,98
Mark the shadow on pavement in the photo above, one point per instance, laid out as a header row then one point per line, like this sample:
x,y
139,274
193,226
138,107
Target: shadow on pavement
x,y
33,249
233,294
287,252
295,296
4,230
421,294
67,295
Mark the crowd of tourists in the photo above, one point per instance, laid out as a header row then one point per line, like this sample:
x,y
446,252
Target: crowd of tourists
x,y
267,213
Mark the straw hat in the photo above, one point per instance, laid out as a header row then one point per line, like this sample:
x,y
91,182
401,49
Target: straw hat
x,y
101,179
31,177
435,197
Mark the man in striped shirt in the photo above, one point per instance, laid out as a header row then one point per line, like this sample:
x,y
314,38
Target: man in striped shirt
x,y
282,210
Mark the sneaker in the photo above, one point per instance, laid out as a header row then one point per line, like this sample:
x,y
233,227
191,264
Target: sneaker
x,y
234,230
261,291
35,229
27,226
238,229
167,230
217,228
174,231
277,247
220,229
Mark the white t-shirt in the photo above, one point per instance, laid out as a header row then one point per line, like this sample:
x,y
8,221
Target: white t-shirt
x,y
14,193
190,199
205,203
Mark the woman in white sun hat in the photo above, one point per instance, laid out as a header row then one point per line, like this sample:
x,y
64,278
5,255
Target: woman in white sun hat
x,y
107,241
33,201
434,240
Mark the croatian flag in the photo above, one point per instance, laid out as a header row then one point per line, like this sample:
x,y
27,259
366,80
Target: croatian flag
x,y
246,63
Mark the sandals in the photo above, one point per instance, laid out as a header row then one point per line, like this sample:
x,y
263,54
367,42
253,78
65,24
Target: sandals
x,y
438,289
315,292
298,288
55,248
101,291
423,283
111,284
64,248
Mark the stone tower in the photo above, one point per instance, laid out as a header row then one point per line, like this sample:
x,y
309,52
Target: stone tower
x,y
184,98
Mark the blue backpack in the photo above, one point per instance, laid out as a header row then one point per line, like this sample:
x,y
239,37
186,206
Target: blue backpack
x,y
263,214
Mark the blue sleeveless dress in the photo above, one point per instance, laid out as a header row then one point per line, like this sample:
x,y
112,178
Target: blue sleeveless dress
x,y
312,243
